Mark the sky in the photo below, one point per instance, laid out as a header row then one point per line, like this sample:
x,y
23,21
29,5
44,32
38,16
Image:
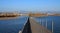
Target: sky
x,y
30,5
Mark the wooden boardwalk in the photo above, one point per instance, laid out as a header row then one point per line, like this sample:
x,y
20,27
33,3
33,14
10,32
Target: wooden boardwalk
x,y
33,27
37,28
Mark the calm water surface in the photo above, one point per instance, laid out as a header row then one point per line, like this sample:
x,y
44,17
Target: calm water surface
x,y
55,19
12,25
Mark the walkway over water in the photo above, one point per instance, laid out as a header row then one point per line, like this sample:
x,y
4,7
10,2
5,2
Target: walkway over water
x,y
33,27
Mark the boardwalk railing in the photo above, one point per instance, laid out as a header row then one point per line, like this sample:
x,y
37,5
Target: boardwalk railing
x,y
46,24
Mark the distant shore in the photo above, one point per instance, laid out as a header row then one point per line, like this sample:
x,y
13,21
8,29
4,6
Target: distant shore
x,y
6,18
42,14
15,15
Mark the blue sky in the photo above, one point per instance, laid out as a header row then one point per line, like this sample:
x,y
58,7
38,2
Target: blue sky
x,y
30,5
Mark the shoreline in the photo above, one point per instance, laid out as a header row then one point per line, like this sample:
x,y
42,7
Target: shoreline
x,y
6,18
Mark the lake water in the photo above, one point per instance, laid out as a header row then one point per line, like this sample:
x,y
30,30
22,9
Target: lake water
x,y
15,25
12,25
49,19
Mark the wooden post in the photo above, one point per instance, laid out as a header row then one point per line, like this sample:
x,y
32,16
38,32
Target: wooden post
x,y
40,21
46,23
52,26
